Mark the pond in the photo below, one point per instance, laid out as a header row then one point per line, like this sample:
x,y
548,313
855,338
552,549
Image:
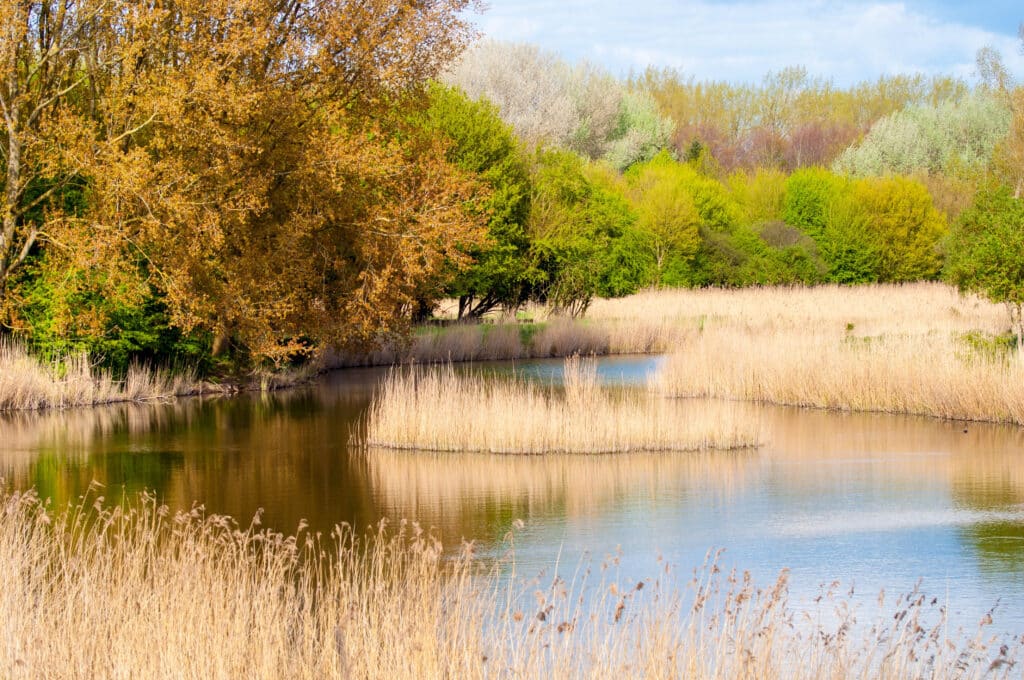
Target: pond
x,y
874,501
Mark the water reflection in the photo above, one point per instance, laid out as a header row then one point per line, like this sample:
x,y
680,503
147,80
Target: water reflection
x,y
877,499
478,495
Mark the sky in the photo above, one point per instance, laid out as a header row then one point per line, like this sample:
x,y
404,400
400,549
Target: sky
x,y
742,40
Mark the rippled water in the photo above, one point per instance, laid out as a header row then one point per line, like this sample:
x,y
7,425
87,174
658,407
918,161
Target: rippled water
x,y
872,500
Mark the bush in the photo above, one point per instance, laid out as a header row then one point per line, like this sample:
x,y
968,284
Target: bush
x,y
985,251
584,239
908,228
810,194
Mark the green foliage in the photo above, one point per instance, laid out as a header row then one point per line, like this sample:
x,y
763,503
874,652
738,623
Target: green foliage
x,y
660,192
908,228
70,312
850,249
760,195
985,250
482,144
810,194
773,254
583,235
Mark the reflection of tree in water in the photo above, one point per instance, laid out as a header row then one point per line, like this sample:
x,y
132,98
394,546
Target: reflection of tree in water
x,y
991,479
121,472
478,494
285,452
999,546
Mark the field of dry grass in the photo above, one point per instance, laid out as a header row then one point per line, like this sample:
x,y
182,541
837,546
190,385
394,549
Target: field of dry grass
x,y
918,349
96,591
439,410
907,309
26,383
933,375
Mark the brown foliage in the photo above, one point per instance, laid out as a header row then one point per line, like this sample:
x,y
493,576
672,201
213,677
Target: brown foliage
x,y
255,159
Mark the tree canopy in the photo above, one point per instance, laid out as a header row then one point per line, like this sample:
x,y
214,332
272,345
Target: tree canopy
x,y
250,159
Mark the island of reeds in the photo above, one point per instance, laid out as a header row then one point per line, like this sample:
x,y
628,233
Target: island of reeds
x,y
437,409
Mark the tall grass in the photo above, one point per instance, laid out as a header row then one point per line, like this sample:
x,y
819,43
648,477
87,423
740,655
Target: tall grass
x,y
438,410
932,374
27,383
96,591
903,309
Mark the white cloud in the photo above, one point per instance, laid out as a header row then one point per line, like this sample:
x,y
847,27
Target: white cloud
x,y
845,40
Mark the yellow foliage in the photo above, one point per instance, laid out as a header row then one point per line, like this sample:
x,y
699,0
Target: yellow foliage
x,y
902,217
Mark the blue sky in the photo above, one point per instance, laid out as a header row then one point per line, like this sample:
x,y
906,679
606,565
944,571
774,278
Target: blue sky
x,y
742,40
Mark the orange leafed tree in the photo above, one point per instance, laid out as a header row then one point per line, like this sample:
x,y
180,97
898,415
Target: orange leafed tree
x,y
253,158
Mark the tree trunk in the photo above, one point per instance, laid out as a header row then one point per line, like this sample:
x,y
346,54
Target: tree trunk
x,y
221,340
11,200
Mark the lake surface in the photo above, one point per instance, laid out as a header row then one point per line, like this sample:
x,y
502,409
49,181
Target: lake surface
x,y
874,501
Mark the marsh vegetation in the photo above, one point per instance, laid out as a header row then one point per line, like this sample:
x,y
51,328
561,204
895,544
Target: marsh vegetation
x,y
98,590
439,410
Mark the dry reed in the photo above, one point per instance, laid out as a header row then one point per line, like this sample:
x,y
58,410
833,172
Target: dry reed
x,y
906,309
438,410
95,591
27,383
932,375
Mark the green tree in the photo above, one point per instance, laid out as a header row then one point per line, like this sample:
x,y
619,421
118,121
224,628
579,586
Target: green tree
x,y
810,194
985,252
906,224
484,145
659,191
583,235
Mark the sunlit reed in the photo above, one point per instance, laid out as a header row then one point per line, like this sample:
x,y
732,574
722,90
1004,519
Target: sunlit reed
x,y
96,591
931,374
440,410
27,383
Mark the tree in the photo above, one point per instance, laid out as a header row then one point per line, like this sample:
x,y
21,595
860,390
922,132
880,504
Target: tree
x,y
953,137
1009,155
548,101
543,98
43,67
640,132
810,194
482,144
985,252
582,235
253,159
908,229
659,191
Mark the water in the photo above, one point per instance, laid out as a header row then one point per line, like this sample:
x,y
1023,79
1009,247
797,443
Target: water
x,y
871,500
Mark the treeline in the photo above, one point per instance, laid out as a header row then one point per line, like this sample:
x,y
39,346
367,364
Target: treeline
x,y
663,180
249,181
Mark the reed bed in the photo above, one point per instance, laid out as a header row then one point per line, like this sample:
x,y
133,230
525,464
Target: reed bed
x,y
932,375
902,309
100,591
439,410
557,338
26,383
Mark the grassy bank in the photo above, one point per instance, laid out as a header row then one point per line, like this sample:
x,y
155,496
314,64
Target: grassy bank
x,y
99,592
439,410
917,349
27,383
933,375
555,337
